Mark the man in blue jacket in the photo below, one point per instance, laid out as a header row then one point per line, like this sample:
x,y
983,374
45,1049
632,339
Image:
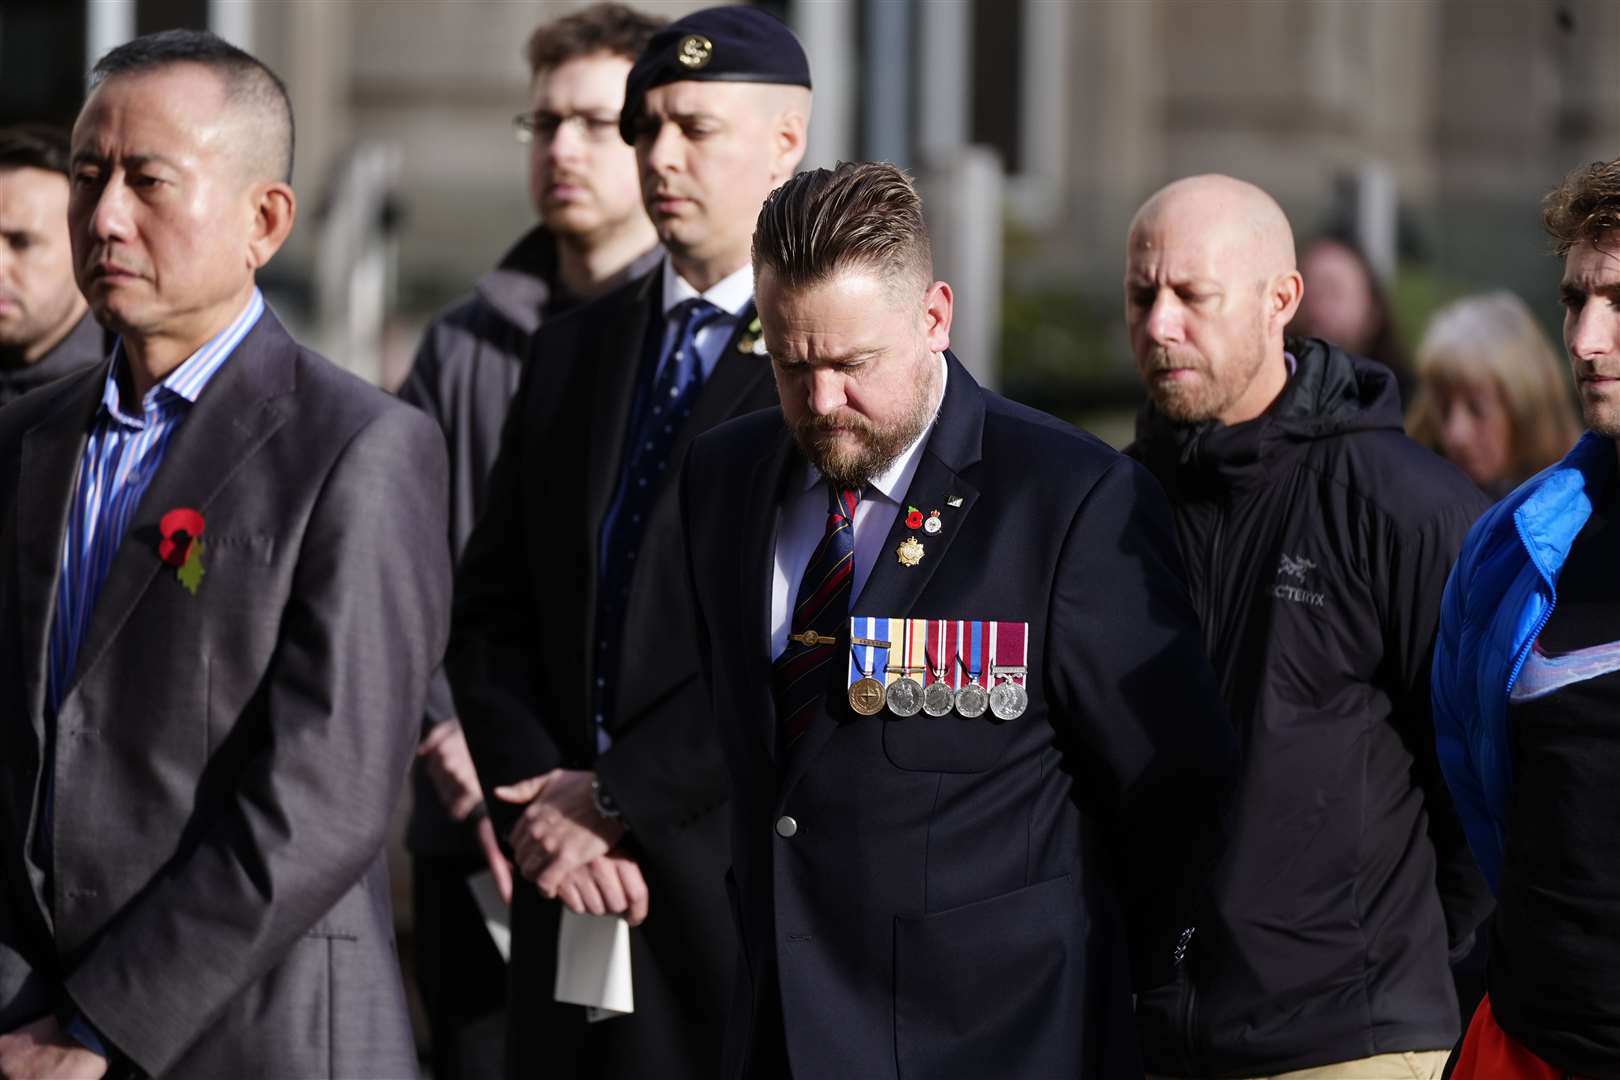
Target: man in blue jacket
x,y
1526,688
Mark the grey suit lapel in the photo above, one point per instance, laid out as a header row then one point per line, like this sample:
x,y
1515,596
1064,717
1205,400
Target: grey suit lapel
x,y
238,410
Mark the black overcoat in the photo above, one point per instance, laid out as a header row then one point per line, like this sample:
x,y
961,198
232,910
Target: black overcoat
x,y
521,667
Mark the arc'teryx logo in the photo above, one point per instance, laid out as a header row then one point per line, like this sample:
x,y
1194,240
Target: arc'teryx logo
x,y
1296,567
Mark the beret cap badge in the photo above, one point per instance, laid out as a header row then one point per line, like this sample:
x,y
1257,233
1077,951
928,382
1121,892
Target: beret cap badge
x,y
694,51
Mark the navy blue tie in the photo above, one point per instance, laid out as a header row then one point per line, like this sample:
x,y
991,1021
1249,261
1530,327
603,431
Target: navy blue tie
x,y
819,622
655,425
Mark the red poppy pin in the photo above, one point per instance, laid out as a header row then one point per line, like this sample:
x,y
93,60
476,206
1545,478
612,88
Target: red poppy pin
x,y
914,518
182,545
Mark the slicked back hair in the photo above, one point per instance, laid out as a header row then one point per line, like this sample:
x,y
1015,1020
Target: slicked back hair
x,y
248,82
1585,206
608,28
34,146
864,215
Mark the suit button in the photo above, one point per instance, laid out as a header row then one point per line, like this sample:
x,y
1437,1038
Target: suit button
x,y
786,827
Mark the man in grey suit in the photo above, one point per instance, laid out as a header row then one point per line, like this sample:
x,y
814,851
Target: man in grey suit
x,y
221,597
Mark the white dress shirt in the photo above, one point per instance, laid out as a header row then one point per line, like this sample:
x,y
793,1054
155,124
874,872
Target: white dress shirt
x,y
731,294
801,522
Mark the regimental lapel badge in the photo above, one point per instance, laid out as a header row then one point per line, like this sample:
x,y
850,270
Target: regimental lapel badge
x,y
182,546
910,551
932,524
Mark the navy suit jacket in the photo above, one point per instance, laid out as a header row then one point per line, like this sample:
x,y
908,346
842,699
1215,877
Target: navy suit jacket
x,y
967,898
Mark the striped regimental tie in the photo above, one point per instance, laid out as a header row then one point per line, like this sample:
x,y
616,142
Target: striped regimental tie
x,y
820,616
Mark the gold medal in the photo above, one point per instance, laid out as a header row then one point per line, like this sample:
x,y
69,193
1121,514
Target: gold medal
x,y
910,551
866,696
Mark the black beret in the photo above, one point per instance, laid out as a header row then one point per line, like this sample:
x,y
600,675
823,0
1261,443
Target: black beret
x,y
733,43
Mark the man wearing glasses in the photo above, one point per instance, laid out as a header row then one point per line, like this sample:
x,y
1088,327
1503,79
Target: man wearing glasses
x,y
593,236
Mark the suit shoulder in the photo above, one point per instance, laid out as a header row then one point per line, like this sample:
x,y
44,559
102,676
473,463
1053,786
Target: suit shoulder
x,y
592,317
742,438
43,401
334,404
1043,444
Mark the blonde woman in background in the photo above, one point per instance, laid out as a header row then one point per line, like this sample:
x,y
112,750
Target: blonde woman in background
x,y
1492,396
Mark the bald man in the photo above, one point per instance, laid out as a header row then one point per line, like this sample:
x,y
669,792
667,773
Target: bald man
x,y
1317,538
220,604
573,662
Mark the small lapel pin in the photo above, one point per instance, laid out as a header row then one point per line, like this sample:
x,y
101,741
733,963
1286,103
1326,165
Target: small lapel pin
x,y
953,501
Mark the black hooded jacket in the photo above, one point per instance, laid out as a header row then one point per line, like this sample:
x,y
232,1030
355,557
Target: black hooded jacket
x,y
1317,539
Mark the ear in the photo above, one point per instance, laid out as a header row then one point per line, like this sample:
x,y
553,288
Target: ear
x,y
1282,299
789,135
938,304
274,208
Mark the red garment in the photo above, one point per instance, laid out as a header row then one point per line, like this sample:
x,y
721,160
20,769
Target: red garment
x,y
1489,1053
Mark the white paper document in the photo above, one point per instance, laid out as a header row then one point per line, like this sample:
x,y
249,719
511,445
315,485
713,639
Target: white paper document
x,y
593,964
497,916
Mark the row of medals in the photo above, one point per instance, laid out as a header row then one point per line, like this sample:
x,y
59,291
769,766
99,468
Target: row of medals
x,y
906,696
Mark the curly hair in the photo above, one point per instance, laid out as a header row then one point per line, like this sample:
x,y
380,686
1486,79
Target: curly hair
x,y
1585,206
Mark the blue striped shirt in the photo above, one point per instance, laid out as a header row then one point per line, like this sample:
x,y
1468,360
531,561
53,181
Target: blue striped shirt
x,y
121,456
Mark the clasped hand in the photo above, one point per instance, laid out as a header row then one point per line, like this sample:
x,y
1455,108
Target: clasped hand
x,y
565,846
42,1051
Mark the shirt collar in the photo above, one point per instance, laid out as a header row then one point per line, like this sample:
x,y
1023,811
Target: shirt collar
x,y
185,382
731,293
892,482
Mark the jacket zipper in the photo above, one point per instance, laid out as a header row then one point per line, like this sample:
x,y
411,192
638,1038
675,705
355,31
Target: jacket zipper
x,y
1541,624
1212,564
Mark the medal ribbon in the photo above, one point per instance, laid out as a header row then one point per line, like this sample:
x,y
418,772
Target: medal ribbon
x,y
916,642
903,626
1013,646
931,649
975,631
859,628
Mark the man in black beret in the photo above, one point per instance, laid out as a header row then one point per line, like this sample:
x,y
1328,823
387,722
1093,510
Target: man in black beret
x,y
573,664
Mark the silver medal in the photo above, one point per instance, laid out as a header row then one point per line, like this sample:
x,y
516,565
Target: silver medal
x,y
905,697
1008,700
938,699
972,700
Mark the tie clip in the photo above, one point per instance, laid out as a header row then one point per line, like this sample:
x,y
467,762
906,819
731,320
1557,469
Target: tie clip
x,y
810,637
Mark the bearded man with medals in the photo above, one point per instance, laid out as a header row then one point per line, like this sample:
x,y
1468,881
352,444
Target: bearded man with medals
x,y
977,757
